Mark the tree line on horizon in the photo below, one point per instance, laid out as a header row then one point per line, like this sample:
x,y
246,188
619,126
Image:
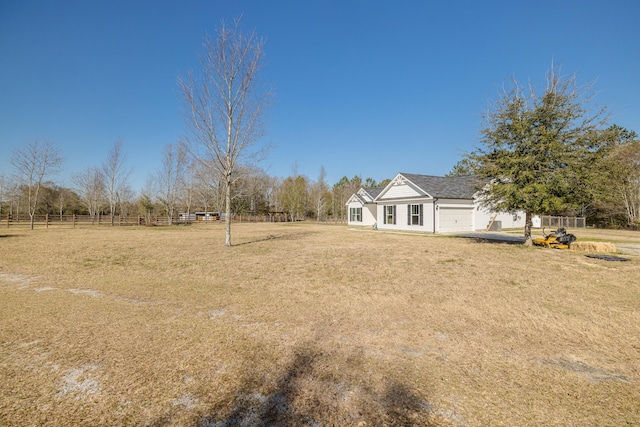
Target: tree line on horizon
x,y
179,185
548,151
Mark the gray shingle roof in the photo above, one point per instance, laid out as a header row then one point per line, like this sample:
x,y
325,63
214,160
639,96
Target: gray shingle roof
x,y
373,191
445,187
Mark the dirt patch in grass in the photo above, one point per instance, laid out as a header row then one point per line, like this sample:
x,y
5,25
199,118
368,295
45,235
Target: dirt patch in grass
x,y
591,373
304,324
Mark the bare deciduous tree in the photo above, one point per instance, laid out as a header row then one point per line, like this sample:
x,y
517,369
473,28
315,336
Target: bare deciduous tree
x,y
188,191
619,176
225,106
90,186
34,162
116,175
170,177
2,191
14,196
320,194
126,196
145,204
207,188
274,194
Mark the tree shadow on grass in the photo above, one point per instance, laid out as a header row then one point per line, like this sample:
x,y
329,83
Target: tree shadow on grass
x,y
494,238
289,236
307,395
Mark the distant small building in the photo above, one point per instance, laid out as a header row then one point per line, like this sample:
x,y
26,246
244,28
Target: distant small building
x,y
186,217
207,216
199,216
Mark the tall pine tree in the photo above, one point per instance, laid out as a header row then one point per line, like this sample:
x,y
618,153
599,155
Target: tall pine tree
x,y
536,149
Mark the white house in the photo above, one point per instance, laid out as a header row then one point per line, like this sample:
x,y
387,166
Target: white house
x,y
426,203
362,206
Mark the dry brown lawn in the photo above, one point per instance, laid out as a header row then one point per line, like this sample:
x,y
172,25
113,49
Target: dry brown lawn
x,y
304,324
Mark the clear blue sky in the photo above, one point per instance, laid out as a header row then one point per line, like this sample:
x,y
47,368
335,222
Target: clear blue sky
x,y
363,87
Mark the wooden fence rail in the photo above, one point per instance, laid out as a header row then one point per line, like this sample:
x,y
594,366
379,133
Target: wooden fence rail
x,y
563,221
139,220
72,220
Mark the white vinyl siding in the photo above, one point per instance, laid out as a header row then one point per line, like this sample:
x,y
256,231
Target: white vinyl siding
x,y
367,213
483,218
401,191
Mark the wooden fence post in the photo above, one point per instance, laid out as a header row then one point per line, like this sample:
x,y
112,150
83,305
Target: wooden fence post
x,y
74,220
8,217
46,220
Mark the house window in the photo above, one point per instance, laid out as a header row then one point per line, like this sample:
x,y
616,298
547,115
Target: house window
x,y
414,214
355,214
390,214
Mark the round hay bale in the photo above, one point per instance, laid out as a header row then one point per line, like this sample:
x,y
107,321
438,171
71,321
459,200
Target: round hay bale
x,y
593,247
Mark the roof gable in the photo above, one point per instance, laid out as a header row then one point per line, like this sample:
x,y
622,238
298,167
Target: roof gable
x,y
401,188
356,198
364,196
370,192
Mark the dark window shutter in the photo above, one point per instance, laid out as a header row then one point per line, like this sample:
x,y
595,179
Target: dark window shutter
x,y
384,214
394,214
420,211
408,214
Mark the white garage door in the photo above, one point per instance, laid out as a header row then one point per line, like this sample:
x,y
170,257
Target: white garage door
x,y
456,219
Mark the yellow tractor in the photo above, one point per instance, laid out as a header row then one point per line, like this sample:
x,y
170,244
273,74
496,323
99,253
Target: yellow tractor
x,y
558,239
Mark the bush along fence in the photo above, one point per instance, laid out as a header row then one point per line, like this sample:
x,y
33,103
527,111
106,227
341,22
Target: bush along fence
x,y
139,220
